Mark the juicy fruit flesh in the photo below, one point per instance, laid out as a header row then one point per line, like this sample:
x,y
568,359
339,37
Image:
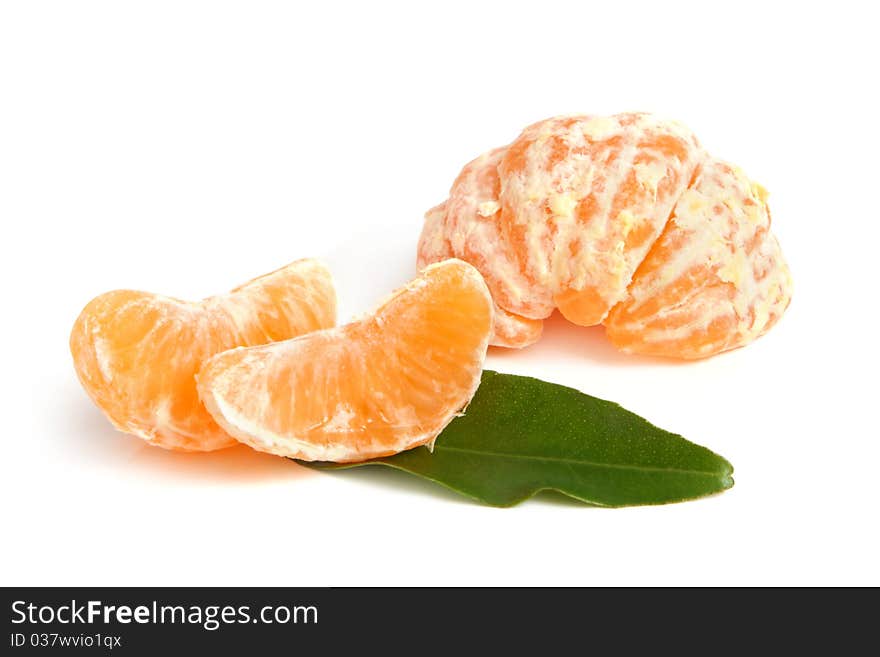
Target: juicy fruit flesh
x,y
580,212
137,353
371,388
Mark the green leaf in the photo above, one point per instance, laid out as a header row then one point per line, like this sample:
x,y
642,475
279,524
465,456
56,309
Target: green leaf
x,y
521,435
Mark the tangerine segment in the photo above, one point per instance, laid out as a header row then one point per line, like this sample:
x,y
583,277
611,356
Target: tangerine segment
x,y
372,388
473,229
460,228
137,353
716,278
433,245
513,331
583,198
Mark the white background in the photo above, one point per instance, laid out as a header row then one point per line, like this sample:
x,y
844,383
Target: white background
x,y
186,147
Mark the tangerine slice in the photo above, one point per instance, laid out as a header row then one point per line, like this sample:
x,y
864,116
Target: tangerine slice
x,y
137,353
583,198
513,331
433,245
466,226
715,280
375,387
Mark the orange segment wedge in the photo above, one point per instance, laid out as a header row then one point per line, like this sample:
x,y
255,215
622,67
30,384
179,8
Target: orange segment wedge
x,y
513,331
137,353
715,280
466,226
582,200
375,387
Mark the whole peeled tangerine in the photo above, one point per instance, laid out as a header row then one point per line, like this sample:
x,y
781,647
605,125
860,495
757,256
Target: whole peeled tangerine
x,y
623,221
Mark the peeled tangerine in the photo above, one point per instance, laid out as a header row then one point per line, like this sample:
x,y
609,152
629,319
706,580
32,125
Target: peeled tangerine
x,y
137,353
623,221
386,383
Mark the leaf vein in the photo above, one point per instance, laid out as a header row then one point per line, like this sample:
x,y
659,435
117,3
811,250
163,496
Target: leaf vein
x,y
570,461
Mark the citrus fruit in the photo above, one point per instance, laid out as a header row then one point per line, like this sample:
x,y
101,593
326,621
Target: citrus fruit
x,y
570,216
137,353
715,280
375,387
